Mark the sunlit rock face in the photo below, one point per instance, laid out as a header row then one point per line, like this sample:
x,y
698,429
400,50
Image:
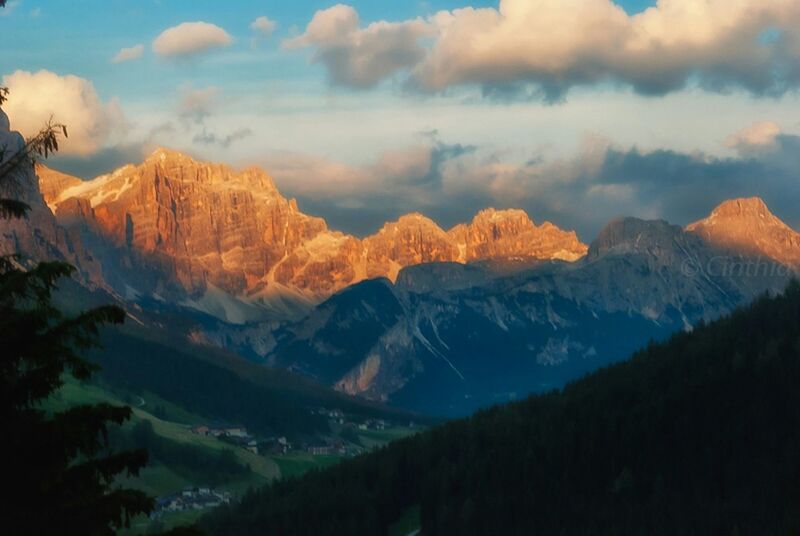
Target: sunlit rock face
x,y
748,226
215,226
38,236
178,228
321,266
511,233
411,240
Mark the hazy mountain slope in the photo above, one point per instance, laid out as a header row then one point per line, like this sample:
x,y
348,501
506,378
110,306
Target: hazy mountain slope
x,y
700,435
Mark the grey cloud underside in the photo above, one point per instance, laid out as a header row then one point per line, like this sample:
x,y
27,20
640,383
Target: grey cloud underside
x,y
226,141
660,184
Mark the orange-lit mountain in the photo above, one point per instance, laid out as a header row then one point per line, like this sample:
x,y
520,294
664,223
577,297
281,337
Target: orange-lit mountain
x,y
229,243
748,226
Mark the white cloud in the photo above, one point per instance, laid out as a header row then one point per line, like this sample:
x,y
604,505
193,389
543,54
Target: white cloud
x,y
361,57
190,38
128,54
73,101
757,138
546,47
263,26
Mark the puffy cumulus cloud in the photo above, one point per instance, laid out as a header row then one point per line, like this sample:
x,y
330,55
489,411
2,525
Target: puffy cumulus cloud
x,y
755,139
361,57
127,54
189,39
558,44
263,26
545,47
73,101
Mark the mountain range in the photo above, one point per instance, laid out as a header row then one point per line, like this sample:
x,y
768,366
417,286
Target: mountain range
x,y
229,244
453,338
433,320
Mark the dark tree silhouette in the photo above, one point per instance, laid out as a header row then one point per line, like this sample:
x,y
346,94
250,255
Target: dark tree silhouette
x,y
59,473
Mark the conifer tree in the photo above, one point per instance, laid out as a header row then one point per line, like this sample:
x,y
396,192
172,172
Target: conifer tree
x,y
59,472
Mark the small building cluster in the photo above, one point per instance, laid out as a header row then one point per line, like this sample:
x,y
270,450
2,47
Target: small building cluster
x,y
372,424
191,499
330,447
234,435
220,430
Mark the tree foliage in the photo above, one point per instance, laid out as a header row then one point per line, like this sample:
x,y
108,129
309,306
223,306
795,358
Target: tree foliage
x,y
59,473
58,463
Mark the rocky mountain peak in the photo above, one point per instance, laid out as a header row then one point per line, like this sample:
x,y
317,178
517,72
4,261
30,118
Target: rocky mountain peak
x,y
748,226
512,233
751,211
164,155
412,239
492,216
412,220
52,182
626,235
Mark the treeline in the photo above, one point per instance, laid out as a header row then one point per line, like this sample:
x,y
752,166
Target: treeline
x,y
699,435
190,461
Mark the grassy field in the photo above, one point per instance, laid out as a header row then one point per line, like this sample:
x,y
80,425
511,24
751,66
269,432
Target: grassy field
x,y
75,393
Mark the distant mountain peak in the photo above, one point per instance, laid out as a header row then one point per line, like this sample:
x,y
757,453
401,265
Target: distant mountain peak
x,y
511,233
748,226
623,235
494,215
742,208
415,219
164,154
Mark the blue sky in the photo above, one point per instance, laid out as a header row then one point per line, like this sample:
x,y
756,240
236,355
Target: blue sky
x,y
382,107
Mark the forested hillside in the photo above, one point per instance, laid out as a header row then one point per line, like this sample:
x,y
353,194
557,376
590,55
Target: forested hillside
x,y
699,435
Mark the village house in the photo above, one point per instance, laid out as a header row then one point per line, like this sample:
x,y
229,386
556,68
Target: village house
x,y
320,450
